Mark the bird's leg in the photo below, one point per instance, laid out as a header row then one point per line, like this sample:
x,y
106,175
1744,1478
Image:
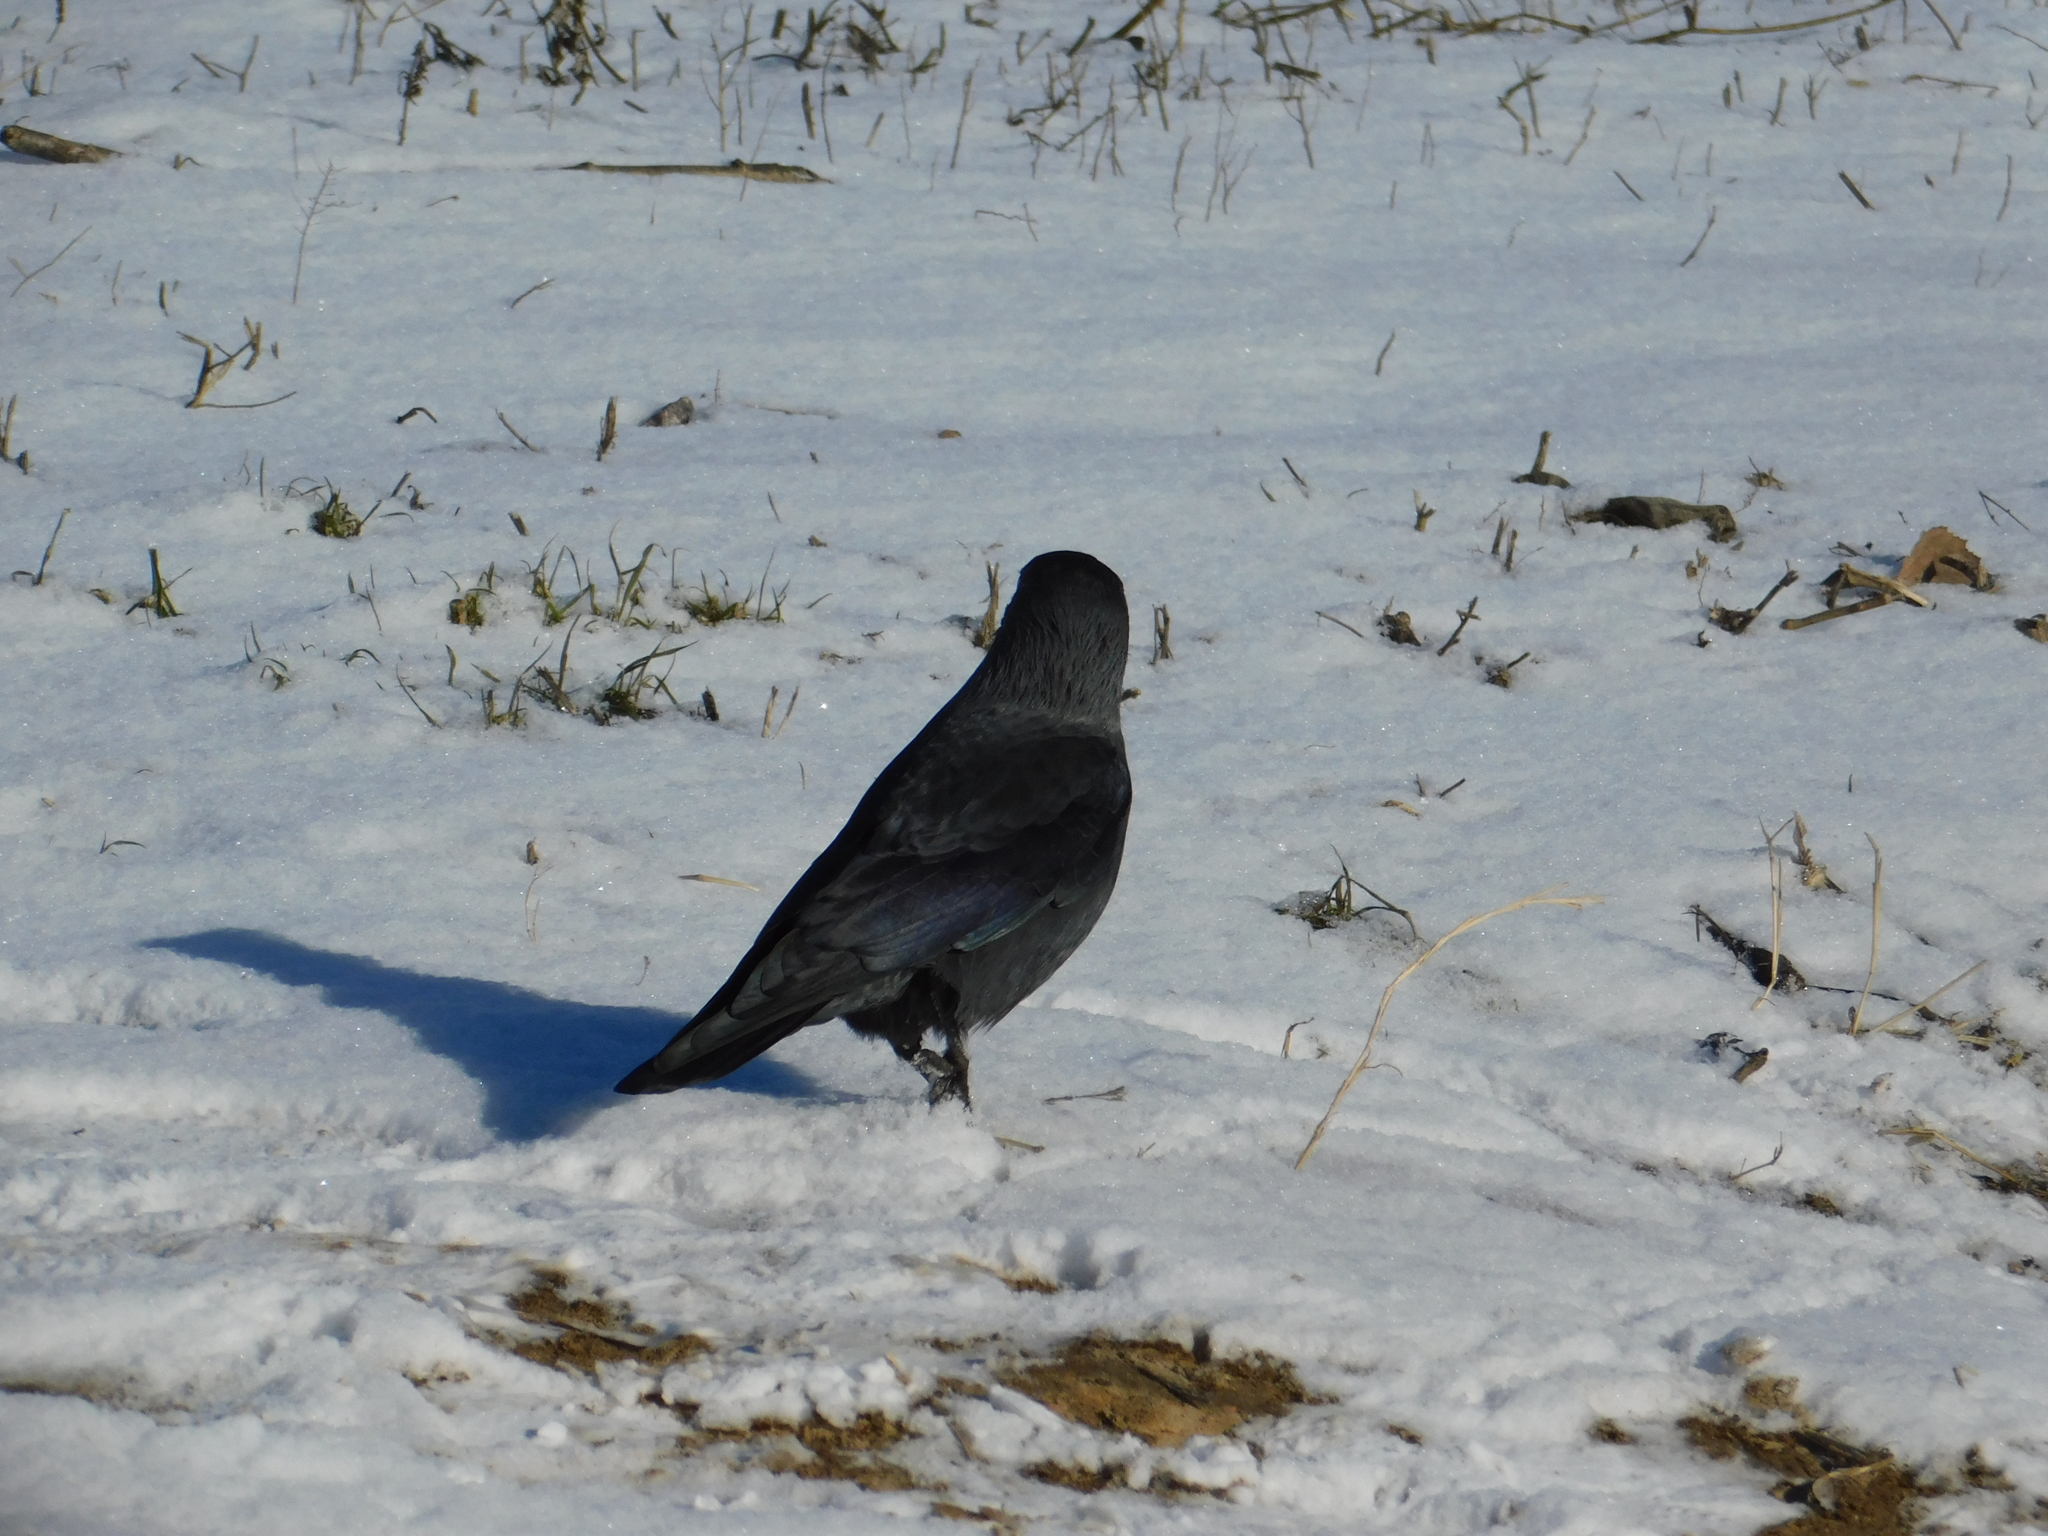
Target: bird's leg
x,y
956,1058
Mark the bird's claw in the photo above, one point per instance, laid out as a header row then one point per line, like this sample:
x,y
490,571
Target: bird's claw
x,y
943,1079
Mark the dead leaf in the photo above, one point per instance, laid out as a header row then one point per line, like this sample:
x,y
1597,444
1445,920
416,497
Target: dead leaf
x,y
1940,556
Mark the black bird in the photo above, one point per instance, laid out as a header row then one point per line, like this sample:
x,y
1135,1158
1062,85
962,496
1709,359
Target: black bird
x,y
970,870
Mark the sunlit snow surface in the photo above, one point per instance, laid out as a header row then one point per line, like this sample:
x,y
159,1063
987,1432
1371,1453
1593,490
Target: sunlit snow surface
x,y
304,1066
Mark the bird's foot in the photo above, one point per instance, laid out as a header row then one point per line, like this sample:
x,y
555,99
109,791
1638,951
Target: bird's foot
x,y
943,1079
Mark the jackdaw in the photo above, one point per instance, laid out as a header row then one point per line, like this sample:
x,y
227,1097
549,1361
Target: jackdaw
x,y
970,870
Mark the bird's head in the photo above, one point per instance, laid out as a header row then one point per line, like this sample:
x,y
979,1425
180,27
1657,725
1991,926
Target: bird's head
x,y
1064,638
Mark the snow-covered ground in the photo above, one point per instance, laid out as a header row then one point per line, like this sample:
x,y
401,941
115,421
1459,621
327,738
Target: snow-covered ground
x,y
313,984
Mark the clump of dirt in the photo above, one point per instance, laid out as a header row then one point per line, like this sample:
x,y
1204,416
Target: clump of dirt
x,y
1755,958
1156,1389
1849,1490
1607,1432
1661,512
588,1332
835,1452
1398,627
1772,1394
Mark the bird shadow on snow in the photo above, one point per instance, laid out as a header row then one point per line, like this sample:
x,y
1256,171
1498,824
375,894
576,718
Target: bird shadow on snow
x,y
545,1064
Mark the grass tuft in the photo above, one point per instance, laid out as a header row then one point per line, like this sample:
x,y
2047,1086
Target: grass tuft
x,y
336,519
159,600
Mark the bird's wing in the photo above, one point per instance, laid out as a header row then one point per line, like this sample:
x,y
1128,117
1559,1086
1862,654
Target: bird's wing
x,y
969,846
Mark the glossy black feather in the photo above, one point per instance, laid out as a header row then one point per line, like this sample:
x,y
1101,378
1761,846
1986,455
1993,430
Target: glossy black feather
x,y
971,869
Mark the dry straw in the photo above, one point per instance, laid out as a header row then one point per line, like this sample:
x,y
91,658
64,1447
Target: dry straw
x,y
1886,1026
1543,898
1876,912
1777,909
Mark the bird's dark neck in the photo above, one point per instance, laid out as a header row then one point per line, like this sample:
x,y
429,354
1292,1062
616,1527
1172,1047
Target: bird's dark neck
x,y
1064,664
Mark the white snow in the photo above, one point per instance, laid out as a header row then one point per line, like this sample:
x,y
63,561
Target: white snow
x,y
305,1068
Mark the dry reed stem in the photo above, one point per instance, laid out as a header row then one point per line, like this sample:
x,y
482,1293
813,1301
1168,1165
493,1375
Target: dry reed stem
x,y
1885,1027
1542,898
1876,910
2013,1178
1777,910
745,170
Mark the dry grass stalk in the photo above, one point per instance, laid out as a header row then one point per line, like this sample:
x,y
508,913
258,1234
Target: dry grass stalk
x,y
608,434
20,461
1876,911
1777,911
1466,615
746,171
506,422
768,727
719,880
1849,576
320,204
1162,634
1886,1026
1543,898
1537,474
2008,1178
985,632
48,550
213,367
1736,620
159,600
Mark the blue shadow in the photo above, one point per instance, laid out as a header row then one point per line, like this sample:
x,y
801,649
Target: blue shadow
x,y
545,1065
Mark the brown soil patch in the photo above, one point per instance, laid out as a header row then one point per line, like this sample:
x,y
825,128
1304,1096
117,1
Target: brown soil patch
x,y
1166,1485
1607,1432
1849,1490
999,1520
1063,1474
839,1452
961,1346
1155,1389
588,1332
